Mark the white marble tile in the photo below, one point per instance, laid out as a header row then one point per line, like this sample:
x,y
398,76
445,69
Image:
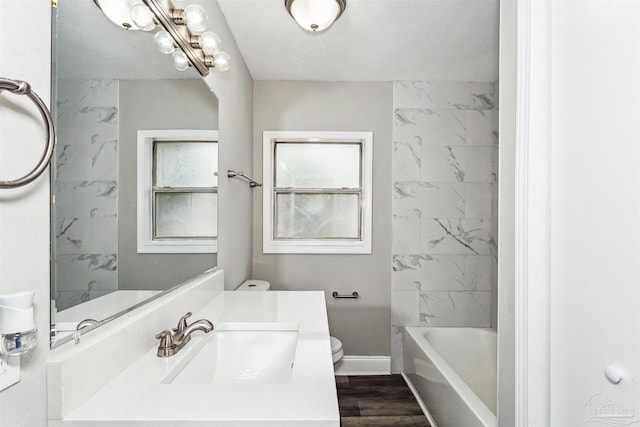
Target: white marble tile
x,y
411,94
428,272
88,93
445,162
455,309
73,236
73,163
104,161
432,127
432,200
457,164
441,94
456,236
86,199
87,124
496,95
442,273
478,272
396,349
90,272
406,235
409,272
405,308
478,200
460,95
481,126
406,160
76,236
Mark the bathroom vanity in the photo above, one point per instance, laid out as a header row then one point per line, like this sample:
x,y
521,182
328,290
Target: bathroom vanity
x,y
266,363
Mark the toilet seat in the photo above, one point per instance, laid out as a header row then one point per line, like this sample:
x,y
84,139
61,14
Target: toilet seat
x,y
336,349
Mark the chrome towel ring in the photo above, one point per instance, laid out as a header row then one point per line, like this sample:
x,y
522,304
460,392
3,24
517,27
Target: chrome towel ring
x,y
23,88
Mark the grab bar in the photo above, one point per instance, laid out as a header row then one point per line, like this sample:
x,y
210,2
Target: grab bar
x,y
252,182
20,87
354,295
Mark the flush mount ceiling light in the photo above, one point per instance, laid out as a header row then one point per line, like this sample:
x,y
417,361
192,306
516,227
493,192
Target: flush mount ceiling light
x,y
182,35
315,15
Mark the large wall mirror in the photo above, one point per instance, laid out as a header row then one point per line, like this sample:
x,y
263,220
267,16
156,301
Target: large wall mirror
x,y
110,86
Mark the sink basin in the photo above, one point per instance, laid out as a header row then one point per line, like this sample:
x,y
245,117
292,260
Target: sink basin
x,y
240,353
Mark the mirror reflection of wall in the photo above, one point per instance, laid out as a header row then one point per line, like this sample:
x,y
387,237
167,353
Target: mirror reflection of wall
x,y
104,95
96,173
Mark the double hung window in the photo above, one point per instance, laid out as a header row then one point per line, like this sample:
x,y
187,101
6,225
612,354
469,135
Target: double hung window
x,y
177,191
317,196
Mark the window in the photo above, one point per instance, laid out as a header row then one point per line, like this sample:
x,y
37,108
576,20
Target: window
x,y
317,192
177,191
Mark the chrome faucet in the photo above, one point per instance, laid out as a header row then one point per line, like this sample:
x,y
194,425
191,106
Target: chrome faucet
x,y
172,341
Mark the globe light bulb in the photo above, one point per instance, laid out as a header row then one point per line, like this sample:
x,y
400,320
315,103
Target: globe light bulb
x,y
142,17
164,42
222,61
180,60
196,18
210,43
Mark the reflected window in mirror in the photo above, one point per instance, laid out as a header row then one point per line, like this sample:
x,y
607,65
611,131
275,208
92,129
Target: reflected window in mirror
x,y
177,191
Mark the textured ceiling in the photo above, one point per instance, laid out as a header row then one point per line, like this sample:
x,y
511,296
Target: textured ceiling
x,y
374,40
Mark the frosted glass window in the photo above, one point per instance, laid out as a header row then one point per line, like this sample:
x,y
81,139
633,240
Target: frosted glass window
x,y
318,216
186,164
177,191
317,192
185,215
323,165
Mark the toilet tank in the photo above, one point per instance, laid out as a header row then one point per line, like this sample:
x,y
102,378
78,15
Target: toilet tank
x,y
254,285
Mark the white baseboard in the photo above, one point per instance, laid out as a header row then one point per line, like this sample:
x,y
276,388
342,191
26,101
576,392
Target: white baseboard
x,y
364,365
420,401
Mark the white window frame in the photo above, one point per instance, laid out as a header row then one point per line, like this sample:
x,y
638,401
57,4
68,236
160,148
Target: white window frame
x,y
316,246
146,243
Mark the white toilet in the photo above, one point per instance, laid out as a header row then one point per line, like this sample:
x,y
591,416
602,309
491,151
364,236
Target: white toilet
x,y
262,285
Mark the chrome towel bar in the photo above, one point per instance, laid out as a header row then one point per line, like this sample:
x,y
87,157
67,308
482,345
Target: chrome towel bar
x,y
252,182
23,88
354,295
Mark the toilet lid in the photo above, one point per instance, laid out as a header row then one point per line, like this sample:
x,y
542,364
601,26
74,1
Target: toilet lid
x,y
336,345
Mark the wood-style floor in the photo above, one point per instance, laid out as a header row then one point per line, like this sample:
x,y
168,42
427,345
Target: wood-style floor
x,y
377,400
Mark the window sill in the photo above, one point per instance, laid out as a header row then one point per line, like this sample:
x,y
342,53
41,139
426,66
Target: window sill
x,y
316,247
178,247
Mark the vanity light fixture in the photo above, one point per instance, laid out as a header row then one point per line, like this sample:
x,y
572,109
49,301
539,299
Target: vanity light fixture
x,y
183,36
315,15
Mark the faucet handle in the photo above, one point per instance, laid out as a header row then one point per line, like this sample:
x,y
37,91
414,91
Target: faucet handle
x,y
166,347
182,323
166,339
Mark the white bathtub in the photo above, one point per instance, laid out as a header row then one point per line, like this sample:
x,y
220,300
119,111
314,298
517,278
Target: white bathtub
x,y
453,370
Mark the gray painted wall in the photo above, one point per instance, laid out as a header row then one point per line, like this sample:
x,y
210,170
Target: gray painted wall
x,y
156,104
362,325
235,96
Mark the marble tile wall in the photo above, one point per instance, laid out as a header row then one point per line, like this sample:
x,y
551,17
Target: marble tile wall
x,y
444,206
86,208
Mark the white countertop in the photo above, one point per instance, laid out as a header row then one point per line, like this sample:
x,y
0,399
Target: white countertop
x,y
136,396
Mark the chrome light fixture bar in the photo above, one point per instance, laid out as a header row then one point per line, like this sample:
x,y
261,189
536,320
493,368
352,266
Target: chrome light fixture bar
x,y
174,22
183,35
315,15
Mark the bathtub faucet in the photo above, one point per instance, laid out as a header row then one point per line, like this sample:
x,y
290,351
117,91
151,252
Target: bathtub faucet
x,y
172,341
